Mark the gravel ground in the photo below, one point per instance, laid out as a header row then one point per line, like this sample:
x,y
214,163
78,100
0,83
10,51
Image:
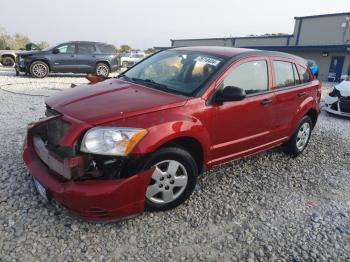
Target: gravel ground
x,y
262,208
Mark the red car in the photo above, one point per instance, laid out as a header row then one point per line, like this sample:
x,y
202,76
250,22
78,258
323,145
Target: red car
x,y
139,141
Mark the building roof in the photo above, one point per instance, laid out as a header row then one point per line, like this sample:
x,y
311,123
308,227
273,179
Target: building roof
x,y
324,15
236,37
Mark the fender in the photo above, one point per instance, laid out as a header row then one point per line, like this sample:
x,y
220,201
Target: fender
x,y
43,59
304,107
169,127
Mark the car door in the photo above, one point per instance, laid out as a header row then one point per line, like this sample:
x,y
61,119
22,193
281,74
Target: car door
x,y
86,57
243,127
63,58
290,89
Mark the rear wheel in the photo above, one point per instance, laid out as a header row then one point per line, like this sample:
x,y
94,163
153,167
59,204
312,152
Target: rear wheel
x,y
173,180
102,69
8,61
39,69
300,139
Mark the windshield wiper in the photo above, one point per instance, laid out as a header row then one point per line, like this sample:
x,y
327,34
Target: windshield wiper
x,y
153,83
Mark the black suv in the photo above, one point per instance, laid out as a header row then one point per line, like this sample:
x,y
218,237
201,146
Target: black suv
x,y
71,57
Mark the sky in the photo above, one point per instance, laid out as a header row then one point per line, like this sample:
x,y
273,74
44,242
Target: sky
x,y
148,23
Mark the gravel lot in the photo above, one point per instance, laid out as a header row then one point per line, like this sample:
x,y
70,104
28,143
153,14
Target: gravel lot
x,y
262,208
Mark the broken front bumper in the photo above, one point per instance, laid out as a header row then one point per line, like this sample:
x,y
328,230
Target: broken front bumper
x,y
96,199
336,106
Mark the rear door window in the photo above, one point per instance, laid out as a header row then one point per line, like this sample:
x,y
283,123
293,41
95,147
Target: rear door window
x,y
250,76
284,74
86,48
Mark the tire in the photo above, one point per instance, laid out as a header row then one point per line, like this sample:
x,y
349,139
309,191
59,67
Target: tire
x,y
162,192
102,69
300,139
125,64
39,69
8,61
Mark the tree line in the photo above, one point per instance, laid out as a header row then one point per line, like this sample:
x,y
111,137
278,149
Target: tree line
x,y
16,41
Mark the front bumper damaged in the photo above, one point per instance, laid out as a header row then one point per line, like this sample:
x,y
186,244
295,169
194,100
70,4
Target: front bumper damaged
x,y
337,106
91,199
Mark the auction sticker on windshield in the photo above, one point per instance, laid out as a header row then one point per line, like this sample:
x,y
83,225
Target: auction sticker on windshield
x,y
207,60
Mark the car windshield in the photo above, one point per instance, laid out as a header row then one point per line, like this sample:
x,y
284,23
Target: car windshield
x,y
181,72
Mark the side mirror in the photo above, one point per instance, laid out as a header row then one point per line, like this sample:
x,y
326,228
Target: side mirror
x,y
55,51
231,93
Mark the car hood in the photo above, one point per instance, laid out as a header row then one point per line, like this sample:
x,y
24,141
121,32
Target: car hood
x,y
29,53
111,100
344,88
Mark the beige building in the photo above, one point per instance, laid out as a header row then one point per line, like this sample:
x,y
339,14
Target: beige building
x,y
323,38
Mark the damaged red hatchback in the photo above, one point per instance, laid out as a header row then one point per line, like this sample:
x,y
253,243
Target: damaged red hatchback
x,y
139,141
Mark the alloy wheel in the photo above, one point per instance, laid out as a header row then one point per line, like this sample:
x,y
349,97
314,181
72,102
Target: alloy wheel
x,y
102,70
39,70
303,136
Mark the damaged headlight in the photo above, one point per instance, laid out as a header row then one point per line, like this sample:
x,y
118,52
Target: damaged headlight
x,y
112,141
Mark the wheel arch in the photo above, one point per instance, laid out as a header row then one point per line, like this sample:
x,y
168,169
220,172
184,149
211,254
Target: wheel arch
x,y
309,107
41,60
313,114
192,146
103,62
8,55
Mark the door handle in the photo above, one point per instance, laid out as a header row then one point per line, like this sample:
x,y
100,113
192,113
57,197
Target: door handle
x,y
301,93
266,102
72,55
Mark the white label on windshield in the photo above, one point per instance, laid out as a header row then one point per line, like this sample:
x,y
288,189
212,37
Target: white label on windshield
x,y
207,60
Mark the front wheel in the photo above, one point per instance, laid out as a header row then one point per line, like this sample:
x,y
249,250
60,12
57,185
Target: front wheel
x,y
300,139
39,69
102,70
173,180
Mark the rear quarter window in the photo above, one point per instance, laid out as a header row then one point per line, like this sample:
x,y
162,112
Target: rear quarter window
x,y
304,74
107,49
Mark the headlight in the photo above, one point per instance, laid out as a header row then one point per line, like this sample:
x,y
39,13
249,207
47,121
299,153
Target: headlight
x,y
112,141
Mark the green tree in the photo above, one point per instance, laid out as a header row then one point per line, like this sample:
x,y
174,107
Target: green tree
x,y
125,48
150,51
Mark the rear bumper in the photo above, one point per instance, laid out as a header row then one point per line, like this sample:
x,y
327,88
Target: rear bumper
x,y
98,200
114,68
